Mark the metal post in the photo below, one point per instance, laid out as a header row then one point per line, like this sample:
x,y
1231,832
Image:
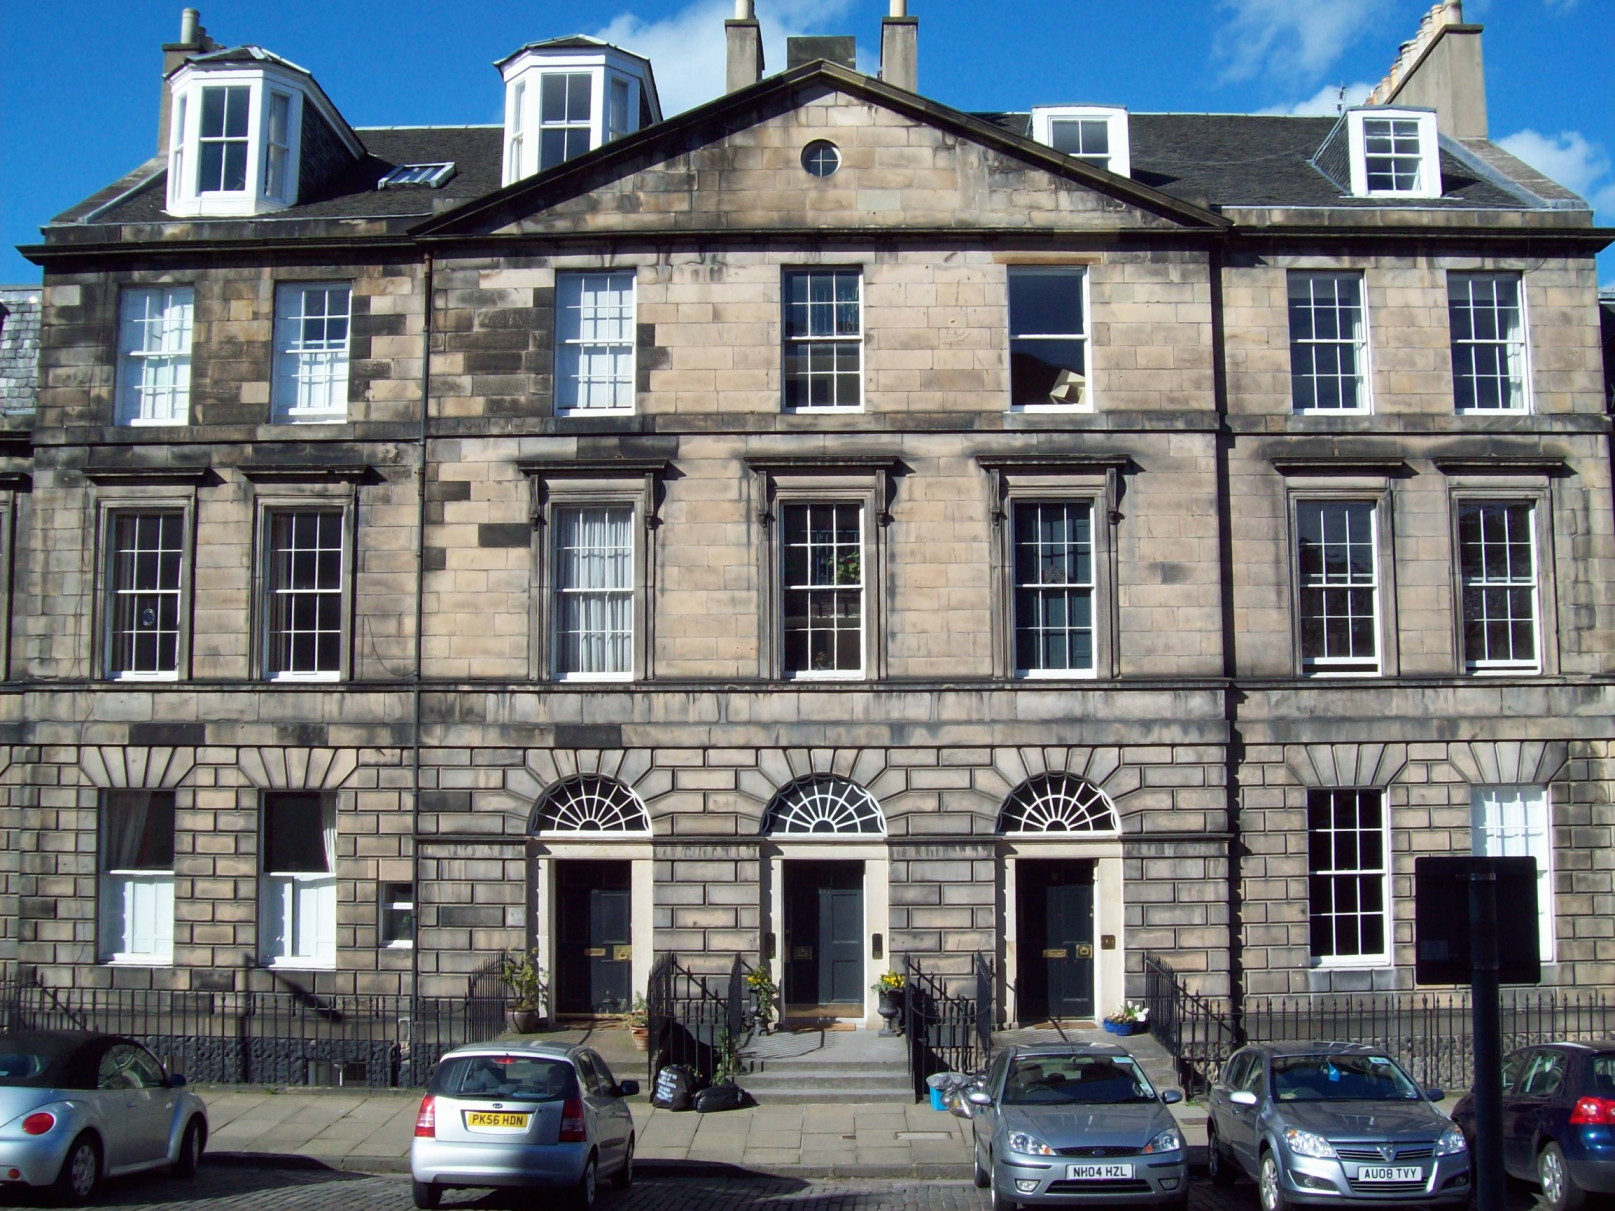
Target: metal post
x,y
1488,1090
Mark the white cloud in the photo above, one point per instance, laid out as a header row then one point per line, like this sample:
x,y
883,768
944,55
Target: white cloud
x,y
688,48
1327,101
1570,159
1291,39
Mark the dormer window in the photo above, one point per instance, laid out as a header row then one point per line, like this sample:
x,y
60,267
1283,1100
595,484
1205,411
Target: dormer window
x,y
244,122
1095,134
1393,153
569,96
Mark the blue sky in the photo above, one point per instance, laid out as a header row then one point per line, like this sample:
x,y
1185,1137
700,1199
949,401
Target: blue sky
x,y
79,87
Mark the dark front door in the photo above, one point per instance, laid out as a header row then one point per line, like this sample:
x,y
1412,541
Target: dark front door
x,y
824,929
594,954
1055,949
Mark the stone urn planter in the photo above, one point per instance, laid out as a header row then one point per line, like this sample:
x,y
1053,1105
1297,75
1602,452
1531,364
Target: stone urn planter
x,y
526,1021
891,1009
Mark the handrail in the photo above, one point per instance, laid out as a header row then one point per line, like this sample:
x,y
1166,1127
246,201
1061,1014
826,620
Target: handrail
x,y
947,1031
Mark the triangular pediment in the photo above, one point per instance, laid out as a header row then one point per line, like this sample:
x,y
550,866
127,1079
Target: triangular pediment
x,y
906,164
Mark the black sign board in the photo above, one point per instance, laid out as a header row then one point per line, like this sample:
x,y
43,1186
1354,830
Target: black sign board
x,y
1441,929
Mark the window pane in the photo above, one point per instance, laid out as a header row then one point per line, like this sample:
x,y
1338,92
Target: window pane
x,y
311,342
1346,886
594,590
1488,341
146,566
1053,568
294,840
594,341
305,586
822,367
821,562
137,830
1498,569
1326,340
1048,336
1337,571
154,362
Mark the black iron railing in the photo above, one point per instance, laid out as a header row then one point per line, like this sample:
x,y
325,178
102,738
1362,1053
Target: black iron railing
x,y
1198,1032
693,1023
289,1037
947,1030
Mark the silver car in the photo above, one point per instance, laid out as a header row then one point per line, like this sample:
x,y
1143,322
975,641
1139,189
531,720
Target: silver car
x,y
1320,1123
77,1106
526,1115
1075,1124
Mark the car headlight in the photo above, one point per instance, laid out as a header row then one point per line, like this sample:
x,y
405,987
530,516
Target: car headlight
x,y
1452,1140
1168,1141
1309,1143
1021,1141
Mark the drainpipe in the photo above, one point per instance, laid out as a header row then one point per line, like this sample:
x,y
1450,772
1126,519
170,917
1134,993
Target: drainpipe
x,y
420,616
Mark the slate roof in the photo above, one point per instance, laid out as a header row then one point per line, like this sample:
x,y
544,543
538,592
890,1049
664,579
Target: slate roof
x,y
19,348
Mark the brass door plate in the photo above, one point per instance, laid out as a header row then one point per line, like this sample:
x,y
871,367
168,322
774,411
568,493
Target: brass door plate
x,y
1084,950
622,954
1055,953
596,952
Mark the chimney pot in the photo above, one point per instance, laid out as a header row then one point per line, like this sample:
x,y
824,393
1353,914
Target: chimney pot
x,y
188,22
899,8
744,10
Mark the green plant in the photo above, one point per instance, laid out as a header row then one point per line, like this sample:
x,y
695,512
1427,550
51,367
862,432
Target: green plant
x,y
725,1060
890,983
1129,1012
638,1015
524,977
763,991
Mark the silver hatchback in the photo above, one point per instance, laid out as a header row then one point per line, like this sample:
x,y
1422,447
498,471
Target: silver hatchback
x,y
517,1114
1319,1123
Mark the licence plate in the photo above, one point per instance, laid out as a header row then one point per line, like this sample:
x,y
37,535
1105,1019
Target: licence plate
x,y
1389,1173
487,1120
1097,1173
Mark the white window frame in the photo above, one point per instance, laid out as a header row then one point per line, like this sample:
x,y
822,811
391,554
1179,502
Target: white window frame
x,y
1120,159
287,899
278,146
116,590
1363,123
135,901
623,594
1085,401
810,587
271,588
154,343
1513,349
837,340
1509,582
619,115
1357,342
1382,872
580,318
589,124
1517,822
225,139
1349,665
305,367
607,68
1091,585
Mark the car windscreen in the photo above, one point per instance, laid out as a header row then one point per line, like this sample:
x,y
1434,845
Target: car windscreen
x,y
1337,1078
1065,1080
1601,1076
511,1078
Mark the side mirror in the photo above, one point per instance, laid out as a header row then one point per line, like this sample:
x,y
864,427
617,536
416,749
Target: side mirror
x,y
1171,1097
1435,1095
1242,1097
176,1080
979,1097
627,1088
960,1108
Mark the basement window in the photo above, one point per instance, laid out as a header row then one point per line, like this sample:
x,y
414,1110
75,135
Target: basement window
x,y
432,176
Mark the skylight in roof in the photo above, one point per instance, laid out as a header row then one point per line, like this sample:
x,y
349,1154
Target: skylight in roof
x,y
430,175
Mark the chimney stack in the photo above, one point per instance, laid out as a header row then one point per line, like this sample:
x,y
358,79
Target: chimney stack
x,y
899,48
193,40
745,39
1441,69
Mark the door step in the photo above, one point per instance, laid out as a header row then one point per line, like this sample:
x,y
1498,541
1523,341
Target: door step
x,y
827,1066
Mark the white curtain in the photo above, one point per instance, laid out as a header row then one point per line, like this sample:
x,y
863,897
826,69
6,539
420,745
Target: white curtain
x,y
594,582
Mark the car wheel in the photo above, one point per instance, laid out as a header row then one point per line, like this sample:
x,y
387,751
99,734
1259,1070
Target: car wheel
x,y
1219,1165
427,1195
1000,1200
1270,1185
1559,1189
624,1177
190,1150
583,1193
80,1175
982,1178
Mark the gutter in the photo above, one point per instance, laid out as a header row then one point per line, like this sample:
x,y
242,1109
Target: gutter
x,y
420,616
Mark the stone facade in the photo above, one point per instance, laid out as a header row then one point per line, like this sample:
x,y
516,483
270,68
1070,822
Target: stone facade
x,y
445,731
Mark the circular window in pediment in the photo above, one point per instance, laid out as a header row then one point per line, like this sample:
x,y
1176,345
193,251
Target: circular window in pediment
x,y
821,158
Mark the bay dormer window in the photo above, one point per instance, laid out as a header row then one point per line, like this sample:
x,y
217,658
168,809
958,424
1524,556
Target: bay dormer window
x,y
249,134
1394,153
1095,134
569,96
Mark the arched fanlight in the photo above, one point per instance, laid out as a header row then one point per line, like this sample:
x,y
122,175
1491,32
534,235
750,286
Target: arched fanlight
x,y
590,805
821,804
1057,803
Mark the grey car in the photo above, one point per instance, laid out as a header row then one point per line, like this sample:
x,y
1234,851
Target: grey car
x,y
1074,1124
517,1114
1321,1123
76,1106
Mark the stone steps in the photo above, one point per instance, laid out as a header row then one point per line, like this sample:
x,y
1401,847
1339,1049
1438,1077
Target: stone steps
x,y
818,1066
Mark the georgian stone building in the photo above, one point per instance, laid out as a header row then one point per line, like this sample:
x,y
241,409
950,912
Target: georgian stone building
x,y
822,526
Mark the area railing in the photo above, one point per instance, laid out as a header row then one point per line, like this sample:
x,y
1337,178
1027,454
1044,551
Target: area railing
x,y
700,1021
284,1037
948,1030
1198,1032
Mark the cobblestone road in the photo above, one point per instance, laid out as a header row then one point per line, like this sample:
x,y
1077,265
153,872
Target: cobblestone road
x,y
232,1188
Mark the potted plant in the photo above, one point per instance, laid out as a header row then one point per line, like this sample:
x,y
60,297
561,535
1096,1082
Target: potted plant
x,y
890,987
528,988
1129,1019
763,991
638,1020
